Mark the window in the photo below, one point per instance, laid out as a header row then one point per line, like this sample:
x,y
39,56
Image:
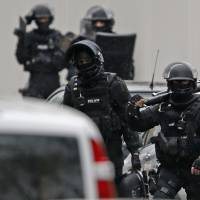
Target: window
x,y
39,167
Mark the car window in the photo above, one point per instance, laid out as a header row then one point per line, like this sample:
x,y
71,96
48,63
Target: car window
x,y
39,167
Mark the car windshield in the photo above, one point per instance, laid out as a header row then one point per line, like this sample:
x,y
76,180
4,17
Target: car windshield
x,y
39,167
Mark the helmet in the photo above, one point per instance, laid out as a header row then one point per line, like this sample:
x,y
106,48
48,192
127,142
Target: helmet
x,y
91,46
180,80
95,64
38,12
179,71
98,14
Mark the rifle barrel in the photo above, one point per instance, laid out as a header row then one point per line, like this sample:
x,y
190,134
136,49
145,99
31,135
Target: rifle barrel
x,y
163,97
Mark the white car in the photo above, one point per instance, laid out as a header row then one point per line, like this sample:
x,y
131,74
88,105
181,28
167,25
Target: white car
x,y
141,88
50,152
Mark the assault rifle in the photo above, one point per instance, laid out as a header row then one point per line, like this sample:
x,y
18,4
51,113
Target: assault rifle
x,y
163,96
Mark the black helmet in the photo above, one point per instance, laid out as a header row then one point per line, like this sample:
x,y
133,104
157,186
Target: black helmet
x,y
180,80
92,47
93,50
98,13
40,11
179,71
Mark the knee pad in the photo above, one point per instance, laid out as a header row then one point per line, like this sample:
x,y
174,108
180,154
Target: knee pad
x,y
168,184
163,193
166,189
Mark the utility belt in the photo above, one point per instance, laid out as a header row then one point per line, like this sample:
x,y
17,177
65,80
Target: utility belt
x,y
178,146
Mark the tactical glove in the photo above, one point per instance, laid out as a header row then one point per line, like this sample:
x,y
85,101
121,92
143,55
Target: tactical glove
x,y
18,32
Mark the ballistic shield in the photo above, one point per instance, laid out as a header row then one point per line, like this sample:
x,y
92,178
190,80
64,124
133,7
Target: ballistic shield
x,y
118,53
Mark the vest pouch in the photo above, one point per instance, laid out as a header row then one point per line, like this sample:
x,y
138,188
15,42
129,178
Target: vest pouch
x,y
186,149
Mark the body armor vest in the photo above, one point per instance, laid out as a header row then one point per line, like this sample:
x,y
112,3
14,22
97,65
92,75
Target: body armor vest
x,y
178,139
42,45
44,42
96,102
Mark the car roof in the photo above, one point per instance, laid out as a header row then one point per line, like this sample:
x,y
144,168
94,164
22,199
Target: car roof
x,y
32,116
145,86
61,89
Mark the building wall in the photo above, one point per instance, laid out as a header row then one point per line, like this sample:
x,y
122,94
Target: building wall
x,y
170,26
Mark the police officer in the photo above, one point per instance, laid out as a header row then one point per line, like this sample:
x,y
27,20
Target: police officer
x,y
103,97
97,19
40,53
101,20
178,143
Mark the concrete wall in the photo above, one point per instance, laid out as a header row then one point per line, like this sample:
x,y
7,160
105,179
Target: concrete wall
x,y
172,26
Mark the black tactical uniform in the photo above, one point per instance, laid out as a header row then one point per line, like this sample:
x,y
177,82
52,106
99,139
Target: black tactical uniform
x,y
178,143
40,53
103,97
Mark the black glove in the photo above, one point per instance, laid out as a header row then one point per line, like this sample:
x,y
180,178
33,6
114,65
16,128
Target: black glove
x,y
132,111
136,165
18,32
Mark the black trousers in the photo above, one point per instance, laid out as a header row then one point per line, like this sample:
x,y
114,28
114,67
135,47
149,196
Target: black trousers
x,y
114,149
171,180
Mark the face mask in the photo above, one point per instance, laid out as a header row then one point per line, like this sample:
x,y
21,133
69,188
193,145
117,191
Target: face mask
x,y
101,26
181,90
43,24
83,60
86,70
181,86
